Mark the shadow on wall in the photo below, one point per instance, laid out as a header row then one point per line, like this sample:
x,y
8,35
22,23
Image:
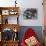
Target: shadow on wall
x,y
37,29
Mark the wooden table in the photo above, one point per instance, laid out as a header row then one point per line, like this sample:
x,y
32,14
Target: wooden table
x,y
9,43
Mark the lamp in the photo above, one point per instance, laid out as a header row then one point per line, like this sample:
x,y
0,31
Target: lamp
x,y
15,3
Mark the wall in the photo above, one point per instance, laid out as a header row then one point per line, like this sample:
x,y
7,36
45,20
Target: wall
x,y
32,4
27,4
7,3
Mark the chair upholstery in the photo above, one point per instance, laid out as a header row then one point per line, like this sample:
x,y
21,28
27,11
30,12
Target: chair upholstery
x,y
29,33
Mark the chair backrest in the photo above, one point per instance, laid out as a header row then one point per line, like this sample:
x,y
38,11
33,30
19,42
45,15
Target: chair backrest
x,y
29,32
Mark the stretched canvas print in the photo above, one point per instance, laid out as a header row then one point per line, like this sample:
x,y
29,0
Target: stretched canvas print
x,y
30,13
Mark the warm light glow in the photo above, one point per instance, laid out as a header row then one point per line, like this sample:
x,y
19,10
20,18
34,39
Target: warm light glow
x,y
0,36
15,30
0,17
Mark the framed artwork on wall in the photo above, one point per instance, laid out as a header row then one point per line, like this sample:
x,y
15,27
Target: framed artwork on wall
x,y
5,12
9,34
9,19
12,20
30,13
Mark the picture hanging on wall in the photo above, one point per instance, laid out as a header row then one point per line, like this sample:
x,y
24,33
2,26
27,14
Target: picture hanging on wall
x,y
30,13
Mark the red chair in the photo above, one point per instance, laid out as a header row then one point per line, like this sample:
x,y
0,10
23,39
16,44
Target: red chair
x,y
29,33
